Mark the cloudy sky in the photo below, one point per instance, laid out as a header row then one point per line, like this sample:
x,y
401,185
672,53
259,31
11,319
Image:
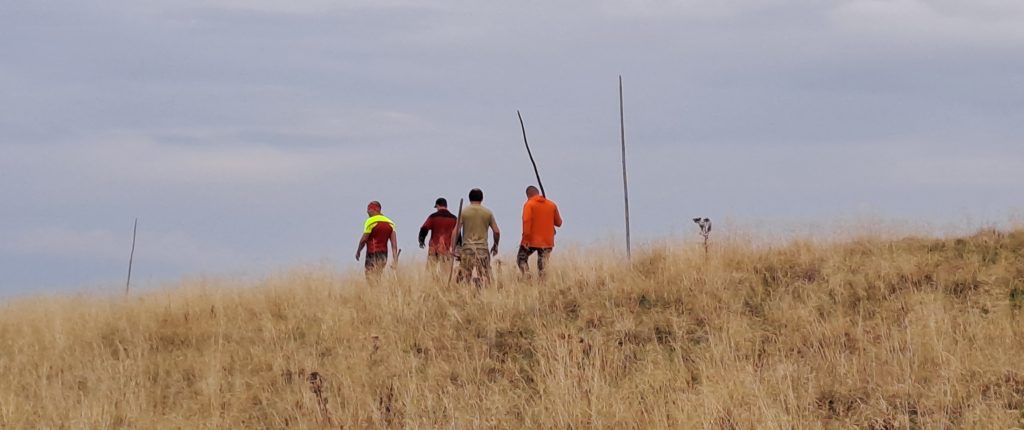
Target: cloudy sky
x,y
248,135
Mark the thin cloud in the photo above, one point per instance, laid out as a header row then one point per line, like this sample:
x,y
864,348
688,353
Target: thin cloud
x,y
262,127
156,247
934,22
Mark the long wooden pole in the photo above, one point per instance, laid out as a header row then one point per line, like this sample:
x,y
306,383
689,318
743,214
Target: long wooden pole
x,y
455,235
625,184
530,153
131,256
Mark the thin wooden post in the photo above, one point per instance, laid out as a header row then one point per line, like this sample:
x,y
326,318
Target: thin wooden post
x,y
455,235
530,153
131,256
625,184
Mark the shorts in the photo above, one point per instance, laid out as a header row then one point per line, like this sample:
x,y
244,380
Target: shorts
x,y
439,263
376,262
474,258
439,258
522,259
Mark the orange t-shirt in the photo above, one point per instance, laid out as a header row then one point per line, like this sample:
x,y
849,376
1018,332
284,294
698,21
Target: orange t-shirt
x,y
540,217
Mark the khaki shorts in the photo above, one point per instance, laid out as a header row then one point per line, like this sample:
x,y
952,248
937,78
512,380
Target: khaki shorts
x,y
474,258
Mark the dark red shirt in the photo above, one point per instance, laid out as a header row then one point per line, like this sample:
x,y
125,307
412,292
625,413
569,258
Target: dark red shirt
x,y
379,229
440,225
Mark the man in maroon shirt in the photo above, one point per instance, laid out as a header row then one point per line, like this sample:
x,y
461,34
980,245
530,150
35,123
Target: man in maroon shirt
x,y
439,225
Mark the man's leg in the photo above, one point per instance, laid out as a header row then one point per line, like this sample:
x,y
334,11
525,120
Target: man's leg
x,y
443,264
542,259
435,263
523,259
466,263
485,268
375,264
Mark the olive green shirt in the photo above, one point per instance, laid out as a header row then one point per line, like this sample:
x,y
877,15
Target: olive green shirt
x,y
475,222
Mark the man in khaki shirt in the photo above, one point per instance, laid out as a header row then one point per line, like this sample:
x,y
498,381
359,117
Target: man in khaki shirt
x,y
474,223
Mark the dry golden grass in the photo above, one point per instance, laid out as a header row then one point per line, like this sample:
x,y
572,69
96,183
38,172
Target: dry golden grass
x,y
868,333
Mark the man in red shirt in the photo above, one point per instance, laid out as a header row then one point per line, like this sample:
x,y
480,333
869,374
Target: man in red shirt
x,y
377,232
439,225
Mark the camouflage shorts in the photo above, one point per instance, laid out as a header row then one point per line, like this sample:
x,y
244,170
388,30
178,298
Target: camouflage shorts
x,y
474,258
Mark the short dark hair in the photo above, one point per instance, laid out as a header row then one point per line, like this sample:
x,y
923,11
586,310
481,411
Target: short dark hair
x,y
476,195
532,189
441,201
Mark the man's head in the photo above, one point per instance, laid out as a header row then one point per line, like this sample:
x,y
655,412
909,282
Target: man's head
x,y
441,203
373,208
532,191
476,196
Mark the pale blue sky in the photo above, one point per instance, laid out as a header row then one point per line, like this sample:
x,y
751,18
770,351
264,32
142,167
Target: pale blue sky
x,y
247,135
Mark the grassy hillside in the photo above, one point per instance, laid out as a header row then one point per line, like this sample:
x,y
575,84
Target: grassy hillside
x,y
874,333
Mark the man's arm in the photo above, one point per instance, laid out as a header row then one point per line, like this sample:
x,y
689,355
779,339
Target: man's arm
x,y
558,217
362,243
497,235
394,244
423,232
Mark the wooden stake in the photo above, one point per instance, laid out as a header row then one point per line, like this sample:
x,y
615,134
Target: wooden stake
x,y
625,185
128,283
530,153
705,231
455,235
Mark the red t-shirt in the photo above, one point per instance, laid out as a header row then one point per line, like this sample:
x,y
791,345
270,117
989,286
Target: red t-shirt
x,y
440,225
379,229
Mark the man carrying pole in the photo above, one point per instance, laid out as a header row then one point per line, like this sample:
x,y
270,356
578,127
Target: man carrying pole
x,y
439,225
377,232
540,217
474,223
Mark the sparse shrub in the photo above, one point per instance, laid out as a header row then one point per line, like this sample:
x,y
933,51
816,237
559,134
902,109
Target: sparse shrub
x,y
1017,297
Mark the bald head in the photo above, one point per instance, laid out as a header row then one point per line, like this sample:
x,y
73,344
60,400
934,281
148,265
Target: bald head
x,y
373,208
532,191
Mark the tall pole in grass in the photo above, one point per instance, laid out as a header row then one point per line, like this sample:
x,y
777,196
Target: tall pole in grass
x,y
625,184
455,236
530,153
131,256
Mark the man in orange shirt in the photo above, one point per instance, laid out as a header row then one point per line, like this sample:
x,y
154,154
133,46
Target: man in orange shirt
x,y
540,217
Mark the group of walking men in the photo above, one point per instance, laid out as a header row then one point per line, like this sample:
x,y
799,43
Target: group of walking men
x,y
464,237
